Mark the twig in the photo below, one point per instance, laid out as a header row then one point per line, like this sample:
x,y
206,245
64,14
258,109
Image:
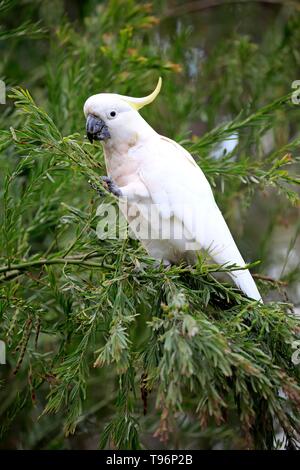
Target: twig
x,y
44,261
12,270
270,279
197,6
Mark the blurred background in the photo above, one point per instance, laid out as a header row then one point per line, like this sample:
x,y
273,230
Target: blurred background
x,y
220,61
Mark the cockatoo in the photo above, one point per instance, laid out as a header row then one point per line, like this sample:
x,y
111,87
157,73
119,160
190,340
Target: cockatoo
x,y
158,183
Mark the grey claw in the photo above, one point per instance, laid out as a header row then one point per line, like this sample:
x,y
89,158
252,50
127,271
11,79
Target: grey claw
x,y
166,264
106,179
111,186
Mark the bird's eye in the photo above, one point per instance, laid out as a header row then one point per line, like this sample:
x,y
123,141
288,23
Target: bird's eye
x,y
112,114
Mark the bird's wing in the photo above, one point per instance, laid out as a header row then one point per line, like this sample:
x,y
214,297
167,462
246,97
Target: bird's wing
x,y
179,188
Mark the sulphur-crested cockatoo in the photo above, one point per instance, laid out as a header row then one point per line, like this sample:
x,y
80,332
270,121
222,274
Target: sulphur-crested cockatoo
x,y
165,196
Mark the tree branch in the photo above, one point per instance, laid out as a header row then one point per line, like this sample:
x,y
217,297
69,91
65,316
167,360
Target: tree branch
x,y
11,271
270,279
196,6
74,260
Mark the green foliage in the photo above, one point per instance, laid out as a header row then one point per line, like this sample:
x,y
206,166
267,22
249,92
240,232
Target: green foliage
x,y
100,341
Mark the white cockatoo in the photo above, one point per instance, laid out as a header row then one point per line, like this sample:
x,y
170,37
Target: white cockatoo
x,y
159,184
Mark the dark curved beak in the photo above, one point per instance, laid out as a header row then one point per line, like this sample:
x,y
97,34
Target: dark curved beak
x,y
96,129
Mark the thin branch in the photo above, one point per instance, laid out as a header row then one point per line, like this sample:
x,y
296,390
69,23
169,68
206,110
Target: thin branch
x,y
193,7
74,260
270,279
13,270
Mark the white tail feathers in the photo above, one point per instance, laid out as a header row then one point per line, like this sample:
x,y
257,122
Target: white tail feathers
x,y
245,282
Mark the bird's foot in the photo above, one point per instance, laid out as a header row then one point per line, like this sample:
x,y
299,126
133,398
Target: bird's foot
x,y
164,263
111,186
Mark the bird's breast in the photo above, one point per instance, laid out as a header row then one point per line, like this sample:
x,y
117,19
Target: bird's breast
x,y
121,166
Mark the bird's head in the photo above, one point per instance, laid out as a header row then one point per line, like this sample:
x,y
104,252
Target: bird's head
x,y
113,117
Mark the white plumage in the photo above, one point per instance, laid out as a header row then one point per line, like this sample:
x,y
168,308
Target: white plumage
x,y
164,194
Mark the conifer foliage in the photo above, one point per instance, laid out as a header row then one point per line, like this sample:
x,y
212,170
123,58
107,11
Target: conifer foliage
x,y
104,348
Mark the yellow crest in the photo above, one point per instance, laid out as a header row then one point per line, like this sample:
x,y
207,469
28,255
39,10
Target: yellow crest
x,y
138,103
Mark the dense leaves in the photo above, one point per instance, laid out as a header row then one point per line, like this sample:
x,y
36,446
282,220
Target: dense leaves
x,y
104,348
